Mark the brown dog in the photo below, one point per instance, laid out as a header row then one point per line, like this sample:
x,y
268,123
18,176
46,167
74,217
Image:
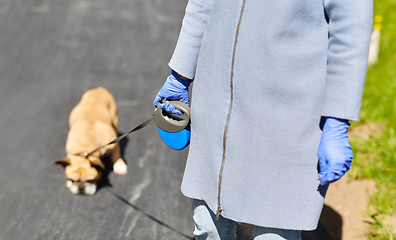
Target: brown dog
x,y
93,123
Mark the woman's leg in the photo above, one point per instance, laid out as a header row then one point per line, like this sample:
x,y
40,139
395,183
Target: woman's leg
x,y
206,225
262,233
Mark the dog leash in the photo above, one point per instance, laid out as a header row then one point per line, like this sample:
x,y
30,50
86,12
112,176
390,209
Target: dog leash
x,y
151,217
167,126
138,127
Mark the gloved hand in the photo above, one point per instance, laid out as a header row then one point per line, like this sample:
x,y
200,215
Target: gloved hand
x,y
174,88
335,152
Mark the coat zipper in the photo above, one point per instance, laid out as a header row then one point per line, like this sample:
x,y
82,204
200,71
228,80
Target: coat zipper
x,y
229,112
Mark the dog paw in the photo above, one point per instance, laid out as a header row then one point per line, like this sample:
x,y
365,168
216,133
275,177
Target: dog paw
x,y
120,167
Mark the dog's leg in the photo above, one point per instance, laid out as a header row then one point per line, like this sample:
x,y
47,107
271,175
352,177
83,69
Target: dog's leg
x,y
115,122
119,166
113,112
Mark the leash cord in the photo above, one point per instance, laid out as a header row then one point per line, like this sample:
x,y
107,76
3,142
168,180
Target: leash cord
x,y
138,127
149,216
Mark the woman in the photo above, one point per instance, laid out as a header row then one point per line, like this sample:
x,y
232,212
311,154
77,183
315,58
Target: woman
x,y
274,81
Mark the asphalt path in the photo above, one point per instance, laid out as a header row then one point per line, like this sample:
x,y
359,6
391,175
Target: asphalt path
x,y
51,52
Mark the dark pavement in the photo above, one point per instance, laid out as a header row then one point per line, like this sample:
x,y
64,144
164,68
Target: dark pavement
x,y
51,52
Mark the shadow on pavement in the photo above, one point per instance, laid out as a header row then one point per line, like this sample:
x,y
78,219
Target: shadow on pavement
x,y
104,180
329,227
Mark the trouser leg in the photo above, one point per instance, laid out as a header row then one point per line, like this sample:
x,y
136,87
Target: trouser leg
x,y
262,233
206,225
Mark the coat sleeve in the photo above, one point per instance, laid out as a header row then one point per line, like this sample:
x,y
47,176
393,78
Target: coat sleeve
x,y
185,55
349,29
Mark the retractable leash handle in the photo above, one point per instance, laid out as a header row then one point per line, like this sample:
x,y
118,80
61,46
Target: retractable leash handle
x,y
173,129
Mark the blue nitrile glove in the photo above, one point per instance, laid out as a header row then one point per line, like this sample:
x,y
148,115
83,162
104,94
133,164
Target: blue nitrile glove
x,y
174,88
335,152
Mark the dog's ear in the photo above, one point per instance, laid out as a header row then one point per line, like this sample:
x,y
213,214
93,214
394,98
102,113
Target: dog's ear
x,y
63,162
96,162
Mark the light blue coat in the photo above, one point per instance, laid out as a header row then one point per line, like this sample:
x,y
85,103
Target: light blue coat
x,y
265,72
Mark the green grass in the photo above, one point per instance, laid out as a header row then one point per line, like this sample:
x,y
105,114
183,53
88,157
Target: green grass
x,y
380,229
375,157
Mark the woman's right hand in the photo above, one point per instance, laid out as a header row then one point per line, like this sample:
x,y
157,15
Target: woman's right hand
x,y
174,88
